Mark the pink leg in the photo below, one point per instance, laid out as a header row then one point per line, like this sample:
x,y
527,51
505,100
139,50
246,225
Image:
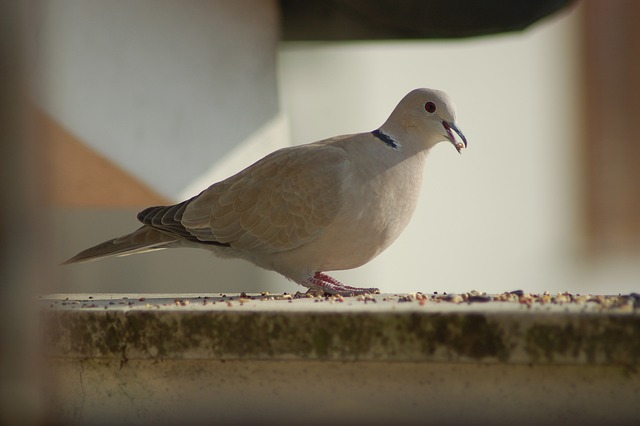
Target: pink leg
x,y
330,285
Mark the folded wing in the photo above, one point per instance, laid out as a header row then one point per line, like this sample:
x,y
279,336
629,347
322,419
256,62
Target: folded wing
x,y
279,203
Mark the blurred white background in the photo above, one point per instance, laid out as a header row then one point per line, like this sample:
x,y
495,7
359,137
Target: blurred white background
x,y
504,215
499,217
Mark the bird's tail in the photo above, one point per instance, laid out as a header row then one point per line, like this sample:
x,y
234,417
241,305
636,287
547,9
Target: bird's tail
x,y
142,240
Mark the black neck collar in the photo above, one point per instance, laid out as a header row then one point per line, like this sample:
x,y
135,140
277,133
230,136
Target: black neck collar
x,y
385,138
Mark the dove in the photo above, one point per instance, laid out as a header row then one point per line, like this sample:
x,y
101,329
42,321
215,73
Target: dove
x,y
303,210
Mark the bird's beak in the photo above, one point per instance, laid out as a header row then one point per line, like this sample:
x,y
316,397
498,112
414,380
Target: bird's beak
x,y
449,126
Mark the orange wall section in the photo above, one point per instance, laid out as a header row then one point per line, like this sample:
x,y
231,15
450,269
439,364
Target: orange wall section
x,y
81,177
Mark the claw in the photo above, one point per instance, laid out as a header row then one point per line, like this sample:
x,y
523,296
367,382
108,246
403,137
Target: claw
x,y
330,285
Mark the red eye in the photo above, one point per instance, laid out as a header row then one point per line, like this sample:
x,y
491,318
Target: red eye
x,y
430,107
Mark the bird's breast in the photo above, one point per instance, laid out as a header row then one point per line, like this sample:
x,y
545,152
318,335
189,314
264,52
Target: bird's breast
x,y
376,209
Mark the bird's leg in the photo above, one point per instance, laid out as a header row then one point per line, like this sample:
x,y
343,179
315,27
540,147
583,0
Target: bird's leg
x,y
330,285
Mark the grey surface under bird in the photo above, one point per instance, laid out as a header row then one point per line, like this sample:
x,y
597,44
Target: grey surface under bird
x,y
303,210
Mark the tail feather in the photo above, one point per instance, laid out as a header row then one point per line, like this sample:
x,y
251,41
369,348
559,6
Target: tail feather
x,y
142,240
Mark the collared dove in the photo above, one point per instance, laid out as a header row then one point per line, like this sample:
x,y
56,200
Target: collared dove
x,y
302,210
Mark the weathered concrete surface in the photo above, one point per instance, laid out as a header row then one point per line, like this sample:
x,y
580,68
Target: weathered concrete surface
x,y
105,391
380,328
389,359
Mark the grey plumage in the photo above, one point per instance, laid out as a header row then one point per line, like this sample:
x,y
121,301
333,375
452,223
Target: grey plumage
x,y
329,205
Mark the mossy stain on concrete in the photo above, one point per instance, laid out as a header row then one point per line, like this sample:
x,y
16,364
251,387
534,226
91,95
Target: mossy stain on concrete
x,y
99,334
612,340
410,336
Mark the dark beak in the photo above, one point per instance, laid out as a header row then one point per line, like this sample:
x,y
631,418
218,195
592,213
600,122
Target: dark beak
x,y
451,127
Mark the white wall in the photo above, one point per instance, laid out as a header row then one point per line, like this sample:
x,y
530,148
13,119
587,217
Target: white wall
x,y
164,89
179,94
505,214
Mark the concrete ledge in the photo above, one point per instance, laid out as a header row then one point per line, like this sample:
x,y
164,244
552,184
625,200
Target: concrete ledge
x,y
383,359
380,328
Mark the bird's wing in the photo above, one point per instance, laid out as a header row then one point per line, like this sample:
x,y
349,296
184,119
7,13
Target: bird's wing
x,y
277,204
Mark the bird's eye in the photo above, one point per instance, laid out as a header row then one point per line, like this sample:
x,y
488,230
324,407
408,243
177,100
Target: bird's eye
x,y
430,107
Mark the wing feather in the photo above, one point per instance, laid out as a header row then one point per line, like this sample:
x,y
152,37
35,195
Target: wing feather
x,y
276,204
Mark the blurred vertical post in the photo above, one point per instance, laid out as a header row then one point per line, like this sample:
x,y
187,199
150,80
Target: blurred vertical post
x,y
611,64
22,219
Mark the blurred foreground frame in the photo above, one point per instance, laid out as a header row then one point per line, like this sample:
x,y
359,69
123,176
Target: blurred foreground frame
x,y
611,129
23,227
22,237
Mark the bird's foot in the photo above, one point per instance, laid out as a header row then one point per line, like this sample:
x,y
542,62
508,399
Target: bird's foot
x,y
330,285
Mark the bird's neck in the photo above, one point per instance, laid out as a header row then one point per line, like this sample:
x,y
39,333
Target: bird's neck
x,y
405,139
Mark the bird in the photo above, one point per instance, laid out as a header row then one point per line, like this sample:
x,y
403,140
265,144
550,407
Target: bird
x,y
304,210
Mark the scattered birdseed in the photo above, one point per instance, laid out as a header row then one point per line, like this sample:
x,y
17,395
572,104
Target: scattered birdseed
x,y
621,303
478,298
285,296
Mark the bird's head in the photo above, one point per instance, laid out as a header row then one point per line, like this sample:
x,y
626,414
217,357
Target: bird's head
x,y
425,117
